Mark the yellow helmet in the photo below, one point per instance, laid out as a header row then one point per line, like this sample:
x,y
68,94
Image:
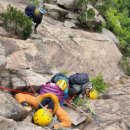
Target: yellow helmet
x,y
42,117
37,12
93,94
62,84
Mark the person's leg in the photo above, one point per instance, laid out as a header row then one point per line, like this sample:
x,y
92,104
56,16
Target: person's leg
x,y
47,101
35,28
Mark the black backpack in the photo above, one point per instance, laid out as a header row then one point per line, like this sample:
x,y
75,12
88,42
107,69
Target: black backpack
x,y
79,78
78,83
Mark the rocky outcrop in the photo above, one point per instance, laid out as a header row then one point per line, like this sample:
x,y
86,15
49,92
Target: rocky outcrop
x,y
55,11
23,79
68,4
10,108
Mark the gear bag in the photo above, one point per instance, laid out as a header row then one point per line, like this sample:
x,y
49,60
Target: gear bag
x,y
79,78
78,83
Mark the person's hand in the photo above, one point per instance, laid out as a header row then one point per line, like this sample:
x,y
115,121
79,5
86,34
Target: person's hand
x,y
26,106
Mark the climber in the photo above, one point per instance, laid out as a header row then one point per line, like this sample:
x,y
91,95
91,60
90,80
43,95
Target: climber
x,y
47,106
36,14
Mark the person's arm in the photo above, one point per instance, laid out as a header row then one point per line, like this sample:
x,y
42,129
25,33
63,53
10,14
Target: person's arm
x,y
63,117
32,100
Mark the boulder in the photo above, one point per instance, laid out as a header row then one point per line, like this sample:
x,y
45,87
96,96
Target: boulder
x,y
23,79
7,124
55,11
71,15
68,4
10,108
69,24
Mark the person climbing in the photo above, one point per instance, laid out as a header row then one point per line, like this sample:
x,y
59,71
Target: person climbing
x,y
46,107
36,14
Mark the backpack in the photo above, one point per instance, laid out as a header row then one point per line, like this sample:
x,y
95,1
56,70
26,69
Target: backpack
x,y
78,83
59,76
52,88
79,78
29,10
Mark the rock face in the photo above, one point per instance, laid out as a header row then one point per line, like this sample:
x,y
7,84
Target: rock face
x,y
7,124
2,58
71,51
23,79
60,49
10,108
79,51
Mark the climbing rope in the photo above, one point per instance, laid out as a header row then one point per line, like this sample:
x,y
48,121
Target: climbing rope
x,y
86,103
14,90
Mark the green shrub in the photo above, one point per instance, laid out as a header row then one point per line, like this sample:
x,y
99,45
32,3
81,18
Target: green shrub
x,y
15,22
118,21
125,65
98,83
86,17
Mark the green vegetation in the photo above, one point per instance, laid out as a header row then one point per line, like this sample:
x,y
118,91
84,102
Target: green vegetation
x,y
87,10
15,22
118,21
98,83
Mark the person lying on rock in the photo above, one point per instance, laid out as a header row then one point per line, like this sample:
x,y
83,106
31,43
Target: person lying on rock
x,y
46,107
36,14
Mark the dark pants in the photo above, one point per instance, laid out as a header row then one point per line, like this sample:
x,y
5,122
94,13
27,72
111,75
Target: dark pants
x,y
47,101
